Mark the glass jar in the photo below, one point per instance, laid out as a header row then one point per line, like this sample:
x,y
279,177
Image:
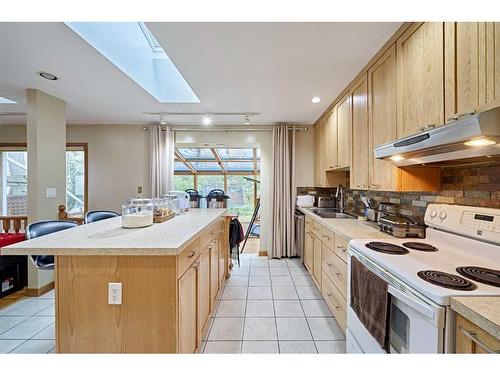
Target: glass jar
x,y
137,213
172,203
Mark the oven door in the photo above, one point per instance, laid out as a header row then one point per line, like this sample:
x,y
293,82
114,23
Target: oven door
x,y
416,324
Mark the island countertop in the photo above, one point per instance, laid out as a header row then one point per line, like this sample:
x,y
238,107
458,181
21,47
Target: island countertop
x,y
107,237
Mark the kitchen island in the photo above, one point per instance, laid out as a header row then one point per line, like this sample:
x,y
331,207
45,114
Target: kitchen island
x,y
170,275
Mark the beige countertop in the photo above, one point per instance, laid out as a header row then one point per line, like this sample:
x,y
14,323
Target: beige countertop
x,y
482,311
107,237
349,228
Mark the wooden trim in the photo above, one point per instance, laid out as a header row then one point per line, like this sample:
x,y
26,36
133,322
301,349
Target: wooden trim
x,y
34,292
184,161
372,61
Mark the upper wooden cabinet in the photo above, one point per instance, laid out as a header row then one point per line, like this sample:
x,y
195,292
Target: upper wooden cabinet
x,y
343,144
382,94
420,78
320,156
472,67
331,139
360,140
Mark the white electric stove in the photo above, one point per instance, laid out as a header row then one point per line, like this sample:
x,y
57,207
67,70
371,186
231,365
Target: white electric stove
x,y
460,256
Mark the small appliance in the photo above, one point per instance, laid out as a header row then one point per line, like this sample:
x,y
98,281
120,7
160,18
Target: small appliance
x,y
400,226
183,200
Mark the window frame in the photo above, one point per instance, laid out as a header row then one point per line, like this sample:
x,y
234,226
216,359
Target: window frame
x,y
70,146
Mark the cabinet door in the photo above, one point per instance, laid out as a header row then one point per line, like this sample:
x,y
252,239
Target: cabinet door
x,y
343,145
420,54
188,334
360,146
492,64
308,251
320,157
222,256
331,139
317,261
203,291
214,272
382,119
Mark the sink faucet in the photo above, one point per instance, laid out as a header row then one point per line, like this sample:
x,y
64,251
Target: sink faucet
x,y
339,196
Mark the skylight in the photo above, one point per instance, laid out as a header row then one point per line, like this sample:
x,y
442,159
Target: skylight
x,y
6,101
133,49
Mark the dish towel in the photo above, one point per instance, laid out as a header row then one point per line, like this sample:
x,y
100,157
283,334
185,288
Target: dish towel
x,y
370,301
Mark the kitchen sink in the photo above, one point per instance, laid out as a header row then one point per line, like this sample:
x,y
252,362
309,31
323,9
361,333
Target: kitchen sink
x,y
330,213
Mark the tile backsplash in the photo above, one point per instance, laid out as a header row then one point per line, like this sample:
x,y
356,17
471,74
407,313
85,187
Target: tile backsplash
x,y
469,186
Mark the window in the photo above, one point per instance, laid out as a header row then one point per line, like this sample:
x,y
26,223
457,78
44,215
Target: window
x,y
14,184
206,183
14,180
183,182
242,194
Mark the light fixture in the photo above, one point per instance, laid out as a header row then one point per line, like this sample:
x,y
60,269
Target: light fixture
x,y
48,76
207,120
480,142
316,99
397,158
163,121
247,120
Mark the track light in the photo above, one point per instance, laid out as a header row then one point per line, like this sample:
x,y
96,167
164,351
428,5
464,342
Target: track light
x,y
163,121
207,120
247,120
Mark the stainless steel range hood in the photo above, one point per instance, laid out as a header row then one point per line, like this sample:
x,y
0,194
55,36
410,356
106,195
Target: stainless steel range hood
x,y
469,139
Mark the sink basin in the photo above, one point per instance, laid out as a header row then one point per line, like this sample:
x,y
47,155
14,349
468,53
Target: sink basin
x,y
330,213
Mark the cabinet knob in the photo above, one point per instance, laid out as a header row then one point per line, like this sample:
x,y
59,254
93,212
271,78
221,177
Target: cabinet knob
x,y
457,116
196,265
193,253
427,127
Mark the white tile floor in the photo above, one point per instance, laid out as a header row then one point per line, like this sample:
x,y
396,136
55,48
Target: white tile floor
x,y
267,306
272,306
27,326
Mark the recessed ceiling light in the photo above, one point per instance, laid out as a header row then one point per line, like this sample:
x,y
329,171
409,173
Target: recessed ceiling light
x,y
48,76
207,120
397,158
316,99
480,142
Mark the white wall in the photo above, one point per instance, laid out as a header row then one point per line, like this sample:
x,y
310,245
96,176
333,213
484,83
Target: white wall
x,y
304,163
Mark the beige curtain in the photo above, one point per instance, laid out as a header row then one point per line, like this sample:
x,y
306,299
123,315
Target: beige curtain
x,y
162,160
283,192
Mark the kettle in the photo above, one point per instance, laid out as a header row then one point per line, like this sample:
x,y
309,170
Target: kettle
x,y
183,200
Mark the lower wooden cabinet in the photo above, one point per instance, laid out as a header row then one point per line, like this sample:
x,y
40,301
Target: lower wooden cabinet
x,y
214,272
470,339
188,315
335,301
204,282
317,262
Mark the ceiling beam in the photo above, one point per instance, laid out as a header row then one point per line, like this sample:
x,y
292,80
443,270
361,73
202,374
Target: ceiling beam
x,y
184,161
217,157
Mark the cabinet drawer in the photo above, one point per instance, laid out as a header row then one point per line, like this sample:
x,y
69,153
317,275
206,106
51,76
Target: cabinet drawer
x,y
308,220
188,256
328,237
341,247
316,229
335,269
208,235
335,301
472,339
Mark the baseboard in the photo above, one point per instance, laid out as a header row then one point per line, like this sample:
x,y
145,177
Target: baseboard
x,y
32,292
263,253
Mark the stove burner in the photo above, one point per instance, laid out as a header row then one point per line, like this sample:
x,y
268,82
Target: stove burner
x,y
420,246
446,280
387,248
480,274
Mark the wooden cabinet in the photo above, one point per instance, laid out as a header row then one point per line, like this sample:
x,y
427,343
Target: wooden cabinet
x,y
470,339
420,78
222,256
330,140
214,272
382,95
204,282
188,310
343,144
335,301
360,139
308,251
317,262
472,67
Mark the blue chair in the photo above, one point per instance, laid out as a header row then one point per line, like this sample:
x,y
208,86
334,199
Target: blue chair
x,y
42,228
93,216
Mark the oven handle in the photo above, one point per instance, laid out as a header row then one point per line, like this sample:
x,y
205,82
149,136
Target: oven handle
x,y
418,305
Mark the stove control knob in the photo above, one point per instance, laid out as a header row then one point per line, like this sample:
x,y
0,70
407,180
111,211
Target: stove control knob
x,y
433,213
442,215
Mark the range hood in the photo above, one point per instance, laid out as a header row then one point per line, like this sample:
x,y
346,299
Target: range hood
x,y
471,138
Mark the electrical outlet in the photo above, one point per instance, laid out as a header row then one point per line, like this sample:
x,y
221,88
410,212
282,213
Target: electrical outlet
x,y
114,293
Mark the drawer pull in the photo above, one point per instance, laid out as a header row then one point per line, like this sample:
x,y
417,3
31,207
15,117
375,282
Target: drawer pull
x,y
472,336
326,237
193,253
459,115
341,248
333,301
196,265
335,271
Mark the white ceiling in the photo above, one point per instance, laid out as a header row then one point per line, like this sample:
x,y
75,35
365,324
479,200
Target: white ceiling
x,y
270,68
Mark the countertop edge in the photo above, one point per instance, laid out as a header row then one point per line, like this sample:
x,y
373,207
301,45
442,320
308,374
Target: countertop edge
x,y
475,317
137,251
